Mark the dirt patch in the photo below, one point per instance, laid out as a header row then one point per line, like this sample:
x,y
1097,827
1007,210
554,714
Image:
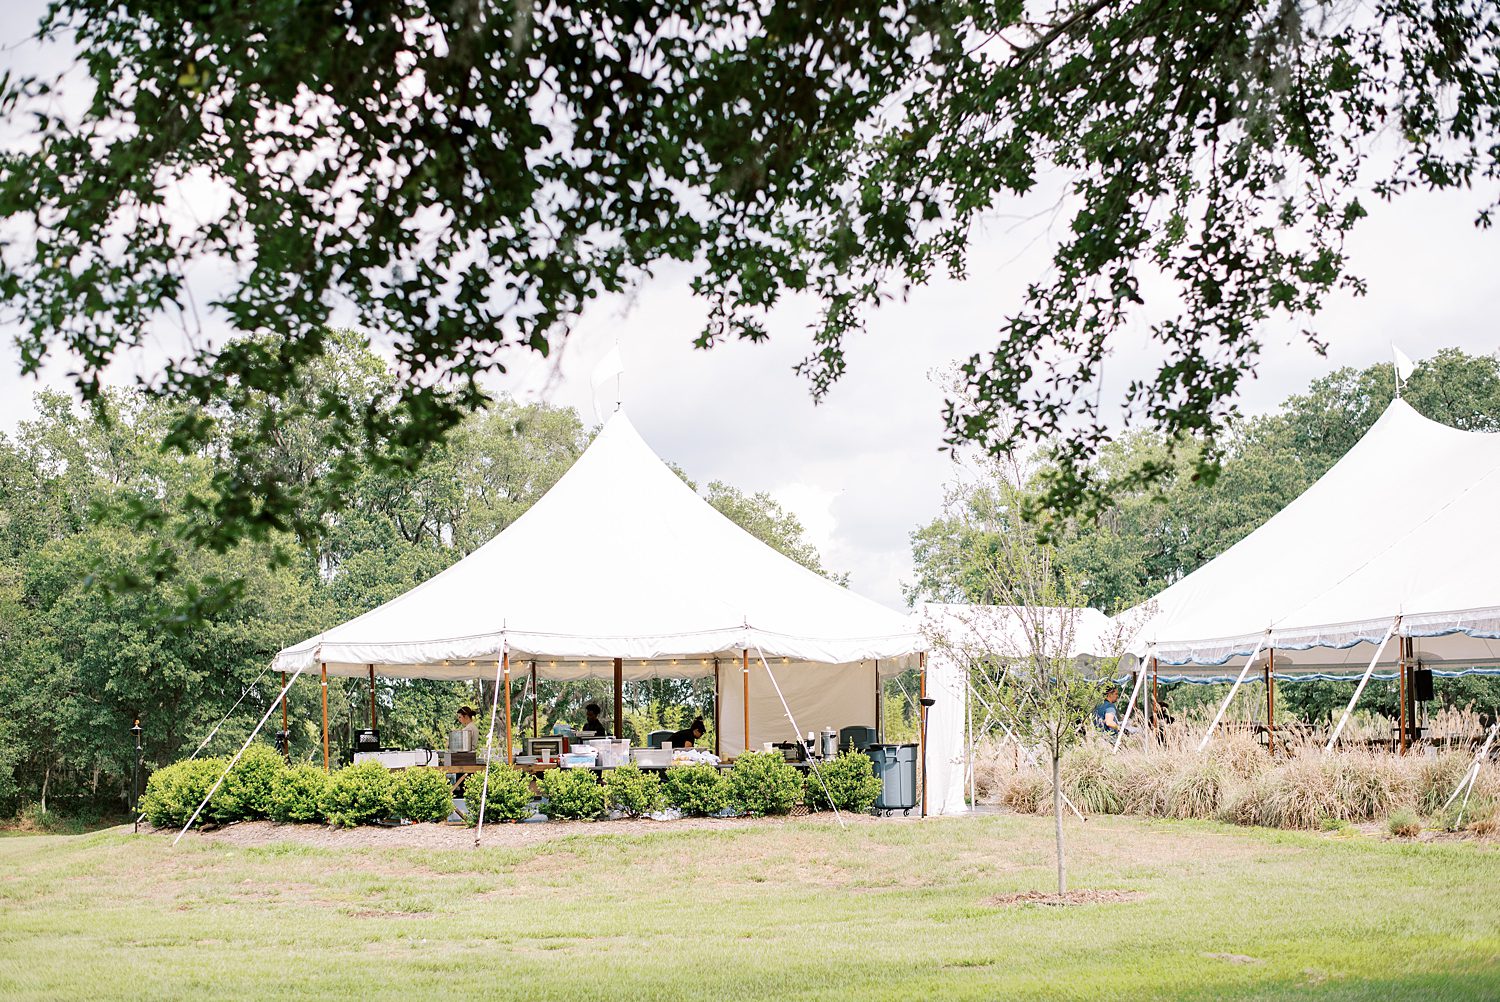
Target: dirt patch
x,y
1063,900
1234,958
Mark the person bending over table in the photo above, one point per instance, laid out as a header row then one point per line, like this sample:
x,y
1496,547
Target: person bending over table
x,y
1106,718
686,737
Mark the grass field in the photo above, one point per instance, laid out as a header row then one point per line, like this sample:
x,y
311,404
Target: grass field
x,y
802,910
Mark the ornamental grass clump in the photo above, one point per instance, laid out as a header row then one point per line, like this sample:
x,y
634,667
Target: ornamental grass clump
x,y
1028,792
851,784
298,794
1093,779
358,794
173,793
1404,823
700,791
633,791
246,793
1437,777
762,783
508,797
1366,786
1298,794
422,795
572,795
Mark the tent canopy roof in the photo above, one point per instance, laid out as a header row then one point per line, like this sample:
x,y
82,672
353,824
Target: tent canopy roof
x,y
619,559
1403,525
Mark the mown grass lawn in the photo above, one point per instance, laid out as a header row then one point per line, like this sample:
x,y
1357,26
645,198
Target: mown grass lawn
x,y
803,910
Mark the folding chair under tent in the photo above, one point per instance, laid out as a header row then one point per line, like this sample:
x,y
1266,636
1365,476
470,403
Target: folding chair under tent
x,y
621,571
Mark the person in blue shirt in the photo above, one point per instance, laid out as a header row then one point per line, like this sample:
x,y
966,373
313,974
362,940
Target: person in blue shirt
x,y
1106,717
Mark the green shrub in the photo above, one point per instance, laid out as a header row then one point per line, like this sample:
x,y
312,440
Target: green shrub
x,y
850,781
696,790
247,790
298,796
763,783
174,792
1404,823
508,799
422,795
635,792
358,794
572,794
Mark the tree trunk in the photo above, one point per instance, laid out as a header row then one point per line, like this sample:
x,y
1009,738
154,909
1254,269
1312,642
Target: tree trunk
x,y
1057,809
46,778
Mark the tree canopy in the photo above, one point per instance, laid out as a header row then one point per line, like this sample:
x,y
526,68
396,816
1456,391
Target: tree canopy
x,y
462,179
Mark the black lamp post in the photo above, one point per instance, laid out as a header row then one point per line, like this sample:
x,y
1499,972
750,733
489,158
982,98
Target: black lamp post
x,y
135,778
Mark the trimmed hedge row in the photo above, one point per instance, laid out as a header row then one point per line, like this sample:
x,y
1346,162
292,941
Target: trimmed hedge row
x,y
261,785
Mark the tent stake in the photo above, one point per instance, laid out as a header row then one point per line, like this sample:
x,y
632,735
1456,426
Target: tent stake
x,y
1364,680
324,667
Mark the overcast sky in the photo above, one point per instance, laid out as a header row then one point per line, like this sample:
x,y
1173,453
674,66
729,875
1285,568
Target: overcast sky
x,y
864,468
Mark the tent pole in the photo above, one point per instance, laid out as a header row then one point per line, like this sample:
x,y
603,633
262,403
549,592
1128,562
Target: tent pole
x,y
1135,690
324,667
718,727
1359,689
1155,703
1271,701
1232,690
1401,694
509,751
535,700
232,762
745,671
286,737
969,748
922,724
879,705
489,748
619,697
372,698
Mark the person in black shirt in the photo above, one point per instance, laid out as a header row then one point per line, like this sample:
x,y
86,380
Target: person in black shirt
x,y
689,734
593,725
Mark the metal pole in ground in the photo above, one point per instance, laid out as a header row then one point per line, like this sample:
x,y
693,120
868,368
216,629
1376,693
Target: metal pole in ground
x,y
135,777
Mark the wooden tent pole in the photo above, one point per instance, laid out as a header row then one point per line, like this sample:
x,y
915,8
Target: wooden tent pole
x,y
922,725
1401,693
619,697
1271,701
373,724
509,751
745,671
324,667
286,748
534,703
1155,705
718,726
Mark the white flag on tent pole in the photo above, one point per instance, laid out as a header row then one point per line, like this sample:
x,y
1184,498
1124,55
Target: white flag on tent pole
x,y
1404,367
611,366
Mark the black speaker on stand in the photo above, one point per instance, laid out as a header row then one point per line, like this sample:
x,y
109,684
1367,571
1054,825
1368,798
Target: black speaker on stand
x,y
1421,684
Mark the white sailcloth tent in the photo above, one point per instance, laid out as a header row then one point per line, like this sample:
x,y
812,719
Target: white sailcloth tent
x,y
622,571
1396,541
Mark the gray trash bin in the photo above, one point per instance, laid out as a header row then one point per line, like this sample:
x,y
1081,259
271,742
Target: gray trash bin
x,y
896,768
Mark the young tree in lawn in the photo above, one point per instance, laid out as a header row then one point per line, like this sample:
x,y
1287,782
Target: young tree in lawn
x,y
1030,630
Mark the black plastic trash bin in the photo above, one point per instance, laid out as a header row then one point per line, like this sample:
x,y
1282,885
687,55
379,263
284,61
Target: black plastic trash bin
x,y
896,768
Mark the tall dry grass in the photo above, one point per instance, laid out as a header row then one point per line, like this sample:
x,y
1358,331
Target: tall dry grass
x,y
1237,780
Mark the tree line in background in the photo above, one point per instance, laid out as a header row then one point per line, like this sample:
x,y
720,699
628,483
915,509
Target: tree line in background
x,y
110,612
1165,520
